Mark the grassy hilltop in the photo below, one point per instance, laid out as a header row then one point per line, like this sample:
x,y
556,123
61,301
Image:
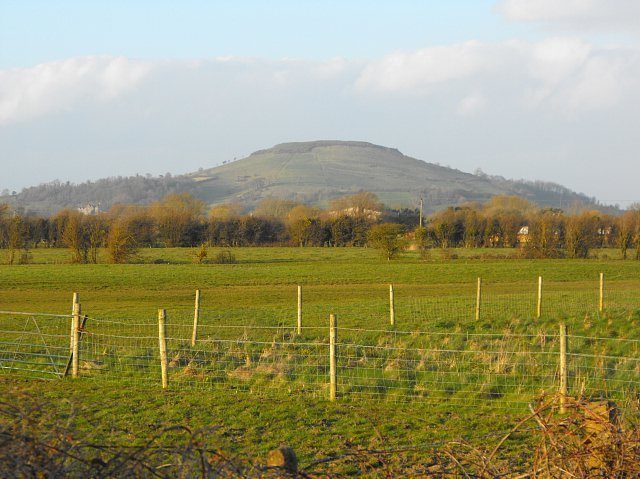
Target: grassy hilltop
x,y
310,172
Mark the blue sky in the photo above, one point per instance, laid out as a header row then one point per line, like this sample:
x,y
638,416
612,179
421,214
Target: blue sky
x,y
34,32
534,89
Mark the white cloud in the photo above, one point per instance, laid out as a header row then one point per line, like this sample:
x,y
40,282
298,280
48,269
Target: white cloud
x,y
604,82
577,14
552,64
422,69
563,74
521,101
472,104
553,59
27,93
571,76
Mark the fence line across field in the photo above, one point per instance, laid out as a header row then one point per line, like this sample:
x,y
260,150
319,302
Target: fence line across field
x,y
394,361
496,368
479,306
410,309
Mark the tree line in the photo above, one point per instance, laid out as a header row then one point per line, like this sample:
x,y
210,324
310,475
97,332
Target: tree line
x,y
510,222
180,220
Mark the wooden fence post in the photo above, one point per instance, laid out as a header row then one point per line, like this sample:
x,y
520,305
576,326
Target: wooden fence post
x,y
196,317
76,300
333,337
392,306
478,299
162,340
75,343
299,309
563,367
539,307
601,302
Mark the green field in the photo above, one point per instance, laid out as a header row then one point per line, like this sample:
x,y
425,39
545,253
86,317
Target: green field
x,y
438,374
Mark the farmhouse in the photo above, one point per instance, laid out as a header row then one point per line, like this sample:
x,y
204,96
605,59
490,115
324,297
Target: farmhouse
x,y
90,209
523,235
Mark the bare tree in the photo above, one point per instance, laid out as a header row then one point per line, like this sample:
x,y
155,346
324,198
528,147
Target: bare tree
x,y
4,224
624,230
76,237
274,208
545,235
174,215
580,234
96,235
121,244
15,237
226,211
447,227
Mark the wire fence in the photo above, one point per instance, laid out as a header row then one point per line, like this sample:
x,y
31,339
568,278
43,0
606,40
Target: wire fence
x,y
34,342
437,359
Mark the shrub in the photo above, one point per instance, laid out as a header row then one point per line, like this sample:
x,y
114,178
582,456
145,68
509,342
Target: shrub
x,y
225,257
201,254
387,237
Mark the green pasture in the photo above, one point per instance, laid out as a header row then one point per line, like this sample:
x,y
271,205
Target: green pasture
x,y
438,374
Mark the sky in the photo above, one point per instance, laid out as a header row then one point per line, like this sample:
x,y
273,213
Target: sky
x,y
534,89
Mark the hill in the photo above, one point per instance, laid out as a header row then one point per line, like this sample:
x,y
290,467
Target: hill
x,y
309,172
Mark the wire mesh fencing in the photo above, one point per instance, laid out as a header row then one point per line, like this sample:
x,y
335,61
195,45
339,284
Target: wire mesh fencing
x,y
502,370
453,369
484,344
37,343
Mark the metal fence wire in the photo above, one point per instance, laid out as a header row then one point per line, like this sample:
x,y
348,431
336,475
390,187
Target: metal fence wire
x,y
503,369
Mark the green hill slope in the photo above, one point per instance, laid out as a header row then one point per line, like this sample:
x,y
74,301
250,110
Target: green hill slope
x,y
314,172
310,172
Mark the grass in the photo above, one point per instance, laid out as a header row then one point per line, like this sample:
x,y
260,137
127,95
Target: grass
x,y
435,296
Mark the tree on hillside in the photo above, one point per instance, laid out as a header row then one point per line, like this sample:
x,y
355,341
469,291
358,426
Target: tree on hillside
x,y
387,237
